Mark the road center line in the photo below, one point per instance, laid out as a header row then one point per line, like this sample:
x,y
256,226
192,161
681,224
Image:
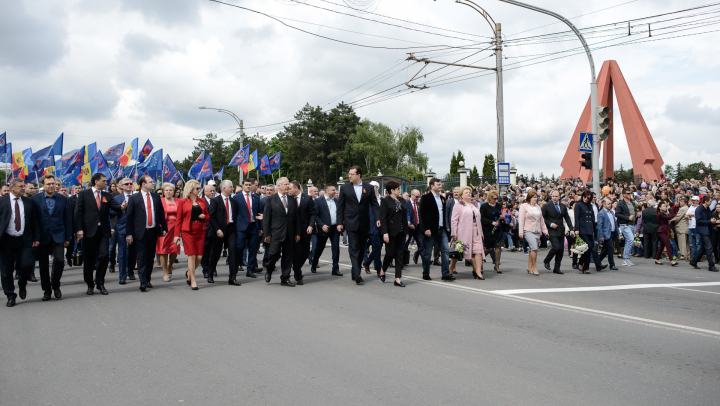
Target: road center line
x,y
696,290
584,310
599,288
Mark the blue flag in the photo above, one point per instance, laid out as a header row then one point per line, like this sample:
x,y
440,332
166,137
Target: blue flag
x,y
3,143
134,145
175,179
27,157
77,160
275,161
115,169
7,156
169,169
182,175
219,173
41,160
115,152
206,169
265,165
242,156
145,152
66,158
99,165
57,146
90,151
197,165
69,179
154,162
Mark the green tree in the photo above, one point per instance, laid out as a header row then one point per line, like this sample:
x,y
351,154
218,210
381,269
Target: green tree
x,y
453,166
304,145
669,172
488,170
474,172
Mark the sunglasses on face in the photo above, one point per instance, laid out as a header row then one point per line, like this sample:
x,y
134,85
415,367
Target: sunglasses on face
x,y
197,188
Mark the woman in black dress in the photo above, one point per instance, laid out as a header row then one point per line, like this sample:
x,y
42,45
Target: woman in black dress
x,y
394,227
492,220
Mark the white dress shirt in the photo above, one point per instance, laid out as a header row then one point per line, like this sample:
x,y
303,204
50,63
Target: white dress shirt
x,y
152,207
11,225
358,190
333,211
226,202
438,201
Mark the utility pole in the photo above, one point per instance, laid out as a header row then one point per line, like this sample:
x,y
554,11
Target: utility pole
x,y
241,133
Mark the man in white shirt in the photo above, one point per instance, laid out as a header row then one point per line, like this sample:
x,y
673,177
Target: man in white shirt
x,y
695,238
224,215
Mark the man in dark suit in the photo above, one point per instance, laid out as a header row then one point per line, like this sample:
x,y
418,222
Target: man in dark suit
x,y
126,254
56,224
374,240
92,222
326,224
281,229
554,213
416,230
356,198
145,222
432,217
207,269
269,191
650,228
72,201
20,232
306,218
224,214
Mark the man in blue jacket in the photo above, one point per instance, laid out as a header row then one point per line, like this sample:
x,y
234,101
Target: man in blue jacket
x,y
703,226
53,212
607,231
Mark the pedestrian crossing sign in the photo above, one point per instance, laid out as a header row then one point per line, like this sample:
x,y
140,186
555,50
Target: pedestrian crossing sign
x,y
586,142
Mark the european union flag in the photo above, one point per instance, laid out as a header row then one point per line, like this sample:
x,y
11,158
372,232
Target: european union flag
x,y
115,152
145,152
154,162
7,156
69,179
275,161
265,165
206,169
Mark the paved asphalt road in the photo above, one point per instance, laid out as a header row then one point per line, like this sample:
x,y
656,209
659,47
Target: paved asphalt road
x,y
646,335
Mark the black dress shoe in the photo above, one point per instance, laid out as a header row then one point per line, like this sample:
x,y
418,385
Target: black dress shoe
x,y
557,271
195,288
694,265
382,278
57,292
250,275
268,276
10,302
143,287
448,278
33,279
336,273
210,279
547,265
437,262
149,285
46,296
601,267
614,268
313,269
205,274
111,269
415,257
89,291
102,289
224,254
402,285
287,283
131,277
122,281
23,293
215,272
234,283
359,280
427,277
300,282
713,269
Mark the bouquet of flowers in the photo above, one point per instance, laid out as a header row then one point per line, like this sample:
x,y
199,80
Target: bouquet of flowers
x,y
580,246
457,249
637,242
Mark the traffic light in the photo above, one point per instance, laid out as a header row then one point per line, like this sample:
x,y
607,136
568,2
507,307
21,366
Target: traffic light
x,y
587,158
603,122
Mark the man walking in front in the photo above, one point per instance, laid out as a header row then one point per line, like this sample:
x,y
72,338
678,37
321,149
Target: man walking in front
x,y
282,230
326,223
626,214
432,216
704,222
554,214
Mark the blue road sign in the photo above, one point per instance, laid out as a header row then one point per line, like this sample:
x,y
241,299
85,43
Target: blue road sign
x,y
586,142
503,173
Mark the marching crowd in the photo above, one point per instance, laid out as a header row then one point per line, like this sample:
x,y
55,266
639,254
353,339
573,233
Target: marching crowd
x,y
116,225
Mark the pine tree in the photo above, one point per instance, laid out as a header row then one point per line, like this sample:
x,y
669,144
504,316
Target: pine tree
x,y
460,158
454,165
474,173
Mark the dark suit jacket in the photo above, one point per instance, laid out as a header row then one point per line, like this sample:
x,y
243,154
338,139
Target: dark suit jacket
x,y
650,220
584,218
306,213
449,205
551,216
322,214
56,226
353,215
277,224
392,222
663,222
72,202
219,217
32,226
429,215
87,214
121,217
136,216
411,212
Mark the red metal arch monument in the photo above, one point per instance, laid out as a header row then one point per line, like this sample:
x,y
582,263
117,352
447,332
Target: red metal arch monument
x,y
646,159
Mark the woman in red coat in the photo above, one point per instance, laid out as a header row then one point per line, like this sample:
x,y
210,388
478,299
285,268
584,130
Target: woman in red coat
x,y
192,212
166,247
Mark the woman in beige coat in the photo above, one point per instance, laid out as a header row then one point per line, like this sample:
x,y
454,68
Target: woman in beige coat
x,y
682,228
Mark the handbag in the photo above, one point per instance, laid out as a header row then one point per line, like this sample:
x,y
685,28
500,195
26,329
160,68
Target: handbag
x,y
454,254
77,257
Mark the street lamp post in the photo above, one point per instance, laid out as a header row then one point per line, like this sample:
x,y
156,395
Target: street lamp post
x,y
593,89
241,131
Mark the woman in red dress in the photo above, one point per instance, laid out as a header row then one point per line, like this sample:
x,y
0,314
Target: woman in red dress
x,y
192,212
166,247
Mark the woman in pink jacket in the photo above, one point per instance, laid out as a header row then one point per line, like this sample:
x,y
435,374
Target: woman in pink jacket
x,y
530,225
465,228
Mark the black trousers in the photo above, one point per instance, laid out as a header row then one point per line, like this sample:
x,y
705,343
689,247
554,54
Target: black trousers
x,y
558,245
585,258
334,236
146,254
207,253
284,249
356,246
607,250
95,247
11,249
650,244
301,250
395,250
229,239
705,248
69,250
50,281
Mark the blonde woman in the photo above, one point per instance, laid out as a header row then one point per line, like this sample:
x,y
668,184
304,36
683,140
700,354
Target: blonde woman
x,y
531,226
166,247
467,228
192,212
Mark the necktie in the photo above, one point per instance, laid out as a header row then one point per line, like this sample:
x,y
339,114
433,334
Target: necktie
x,y
227,209
149,209
284,200
415,210
557,207
97,199
247,201
18,224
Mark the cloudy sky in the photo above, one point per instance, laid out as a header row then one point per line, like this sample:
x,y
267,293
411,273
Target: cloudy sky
x,y
112,70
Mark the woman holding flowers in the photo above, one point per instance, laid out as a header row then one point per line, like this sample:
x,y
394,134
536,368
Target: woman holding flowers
x,y
466,228
585,226
531,226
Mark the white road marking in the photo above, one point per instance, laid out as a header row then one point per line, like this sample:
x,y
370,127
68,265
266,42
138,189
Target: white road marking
x,y
695,290
584,310
598,288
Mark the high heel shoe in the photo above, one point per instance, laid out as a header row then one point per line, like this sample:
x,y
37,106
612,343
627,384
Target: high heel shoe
x,y
497,270
529,271
382,278
673,264
195,288
402,285
186,278
475,276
